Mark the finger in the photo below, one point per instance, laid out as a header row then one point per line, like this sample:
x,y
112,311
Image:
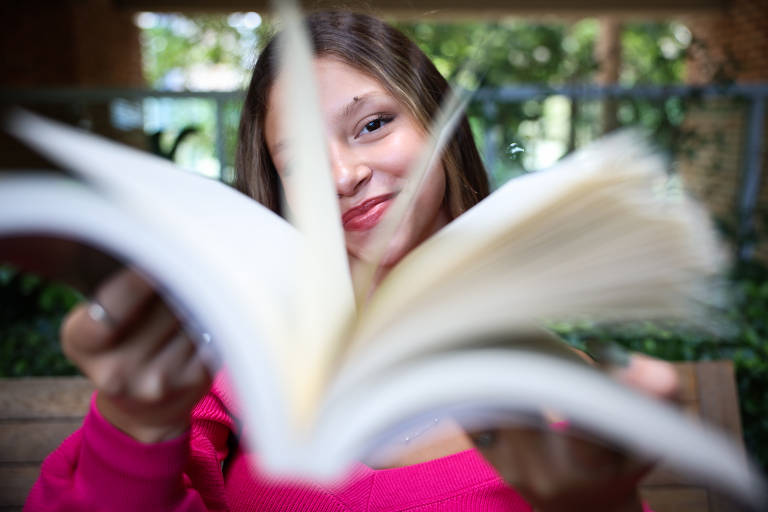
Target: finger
x,y
119,367
538,474
591,457
158,377
174,368
517,456
546,461
557,449
123,292
196,372
121,297
651,376
81,335
149,333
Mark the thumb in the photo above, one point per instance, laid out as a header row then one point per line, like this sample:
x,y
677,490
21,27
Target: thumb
x,y
649,375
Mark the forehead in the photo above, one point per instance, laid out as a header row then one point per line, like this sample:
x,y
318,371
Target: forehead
x,y
338,84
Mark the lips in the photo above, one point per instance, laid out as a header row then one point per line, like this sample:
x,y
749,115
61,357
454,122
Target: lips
x,y
367,214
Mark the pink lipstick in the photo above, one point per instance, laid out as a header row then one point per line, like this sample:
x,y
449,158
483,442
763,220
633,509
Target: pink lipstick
x,y
367,214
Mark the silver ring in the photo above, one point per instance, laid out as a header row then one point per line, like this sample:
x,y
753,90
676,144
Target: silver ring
x,y
99,314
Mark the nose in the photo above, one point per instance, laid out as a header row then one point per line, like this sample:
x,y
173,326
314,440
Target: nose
x,y
350,172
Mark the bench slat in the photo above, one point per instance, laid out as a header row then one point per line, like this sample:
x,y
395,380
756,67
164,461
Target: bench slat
x,y
718,398
676,499
688,382
15,483
44,397
32,440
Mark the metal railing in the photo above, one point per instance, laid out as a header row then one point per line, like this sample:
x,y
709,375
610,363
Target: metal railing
x,y
753,94
752,152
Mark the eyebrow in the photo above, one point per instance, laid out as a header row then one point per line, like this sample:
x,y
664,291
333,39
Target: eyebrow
x,y
347,111
357,103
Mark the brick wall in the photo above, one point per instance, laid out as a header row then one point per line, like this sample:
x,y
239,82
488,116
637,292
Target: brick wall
x,y
731,44
728,46
67,43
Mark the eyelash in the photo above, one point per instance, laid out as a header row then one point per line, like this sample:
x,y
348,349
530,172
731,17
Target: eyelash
x,y
382,119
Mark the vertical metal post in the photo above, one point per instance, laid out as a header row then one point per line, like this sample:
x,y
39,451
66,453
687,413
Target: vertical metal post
x,y
490,142
220,146
753,166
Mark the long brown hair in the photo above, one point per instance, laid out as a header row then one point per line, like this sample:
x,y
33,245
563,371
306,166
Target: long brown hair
x,y
384,53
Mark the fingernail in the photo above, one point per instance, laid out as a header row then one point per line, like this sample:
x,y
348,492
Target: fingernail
x,y
608,353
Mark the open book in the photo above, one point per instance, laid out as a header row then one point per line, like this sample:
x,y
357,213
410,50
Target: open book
x,y
324,377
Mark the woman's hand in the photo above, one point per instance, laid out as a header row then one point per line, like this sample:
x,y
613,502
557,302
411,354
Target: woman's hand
x,y
147,371
556,471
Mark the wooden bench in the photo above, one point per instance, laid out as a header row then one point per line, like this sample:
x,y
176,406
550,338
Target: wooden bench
x,y
36,414
708,391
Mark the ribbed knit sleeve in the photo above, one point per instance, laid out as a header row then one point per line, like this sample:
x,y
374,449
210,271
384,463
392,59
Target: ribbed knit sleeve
x,y
101,468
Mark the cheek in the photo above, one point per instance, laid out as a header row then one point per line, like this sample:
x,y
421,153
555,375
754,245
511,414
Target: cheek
x,y
391,163
398,156
434,186
426,217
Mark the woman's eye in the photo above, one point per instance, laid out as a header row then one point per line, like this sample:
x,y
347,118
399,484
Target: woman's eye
x,y
375,124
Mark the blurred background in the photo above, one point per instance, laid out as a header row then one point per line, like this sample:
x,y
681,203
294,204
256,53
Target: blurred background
x,y
167,76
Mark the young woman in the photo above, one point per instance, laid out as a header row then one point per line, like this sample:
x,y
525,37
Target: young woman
x,y
161,436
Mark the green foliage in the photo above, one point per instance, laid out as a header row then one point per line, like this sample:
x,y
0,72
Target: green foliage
x,y
168,118
514,52
198,52
29,324
653,53
509,52
503,53
175,47
742,338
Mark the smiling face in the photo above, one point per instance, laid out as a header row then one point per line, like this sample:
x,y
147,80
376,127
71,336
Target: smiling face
x,y
373,142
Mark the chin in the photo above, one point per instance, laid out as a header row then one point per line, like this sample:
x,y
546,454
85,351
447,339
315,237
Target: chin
x,y
391,259
397,250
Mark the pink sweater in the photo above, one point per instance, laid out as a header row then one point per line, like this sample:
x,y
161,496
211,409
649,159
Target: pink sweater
x,y
100,468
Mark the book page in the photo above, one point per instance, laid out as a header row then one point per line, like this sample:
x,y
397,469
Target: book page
x,y
223,261
485,388
219,225
207,298
589,237
324,298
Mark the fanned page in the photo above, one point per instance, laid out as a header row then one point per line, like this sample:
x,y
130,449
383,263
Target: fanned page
x,y
592,236
225,262
448,333
324,301
494,386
